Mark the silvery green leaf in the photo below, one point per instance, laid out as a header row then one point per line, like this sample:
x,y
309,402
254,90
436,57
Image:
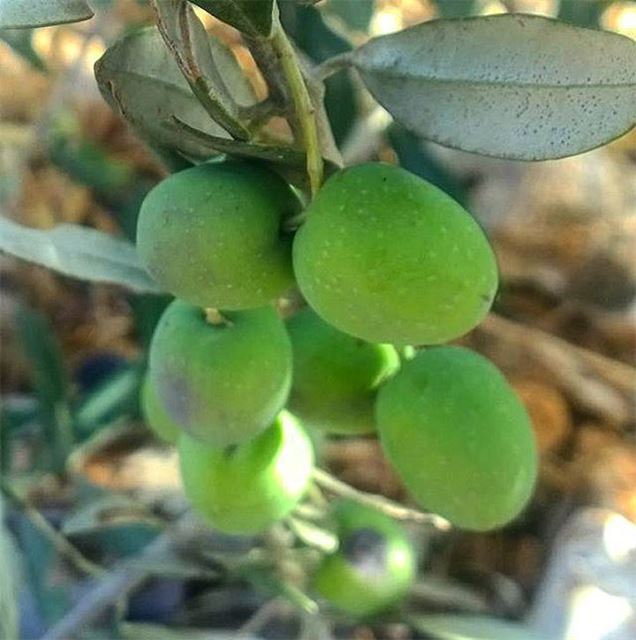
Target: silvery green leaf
x,y
21,41
252,17
209,67
470,627
511,86
78,252
140,79
18,14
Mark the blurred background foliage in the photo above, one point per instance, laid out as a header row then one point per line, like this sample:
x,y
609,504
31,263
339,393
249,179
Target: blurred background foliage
x,y
83,482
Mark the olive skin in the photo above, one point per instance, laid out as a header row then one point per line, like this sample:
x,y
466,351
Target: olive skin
x,y
374,566
458,437
388,257
155,415
245,489
335,375
222,383
213,235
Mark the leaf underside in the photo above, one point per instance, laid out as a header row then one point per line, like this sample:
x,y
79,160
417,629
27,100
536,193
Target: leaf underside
x,y
19,14
140,79
511,86
78,252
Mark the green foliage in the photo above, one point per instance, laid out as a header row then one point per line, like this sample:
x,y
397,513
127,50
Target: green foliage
x,y
50,382
356,15
223,383
252,17
21,41
465,627
380,255
507,91
458,437
456,8
245,489
415,156
10,579
309,31
140,79
585,13
115,397
336,376
208,65
41,13
229,224
388,257
78,252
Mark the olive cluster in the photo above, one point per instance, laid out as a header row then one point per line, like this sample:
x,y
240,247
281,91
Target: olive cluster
x,y
385,260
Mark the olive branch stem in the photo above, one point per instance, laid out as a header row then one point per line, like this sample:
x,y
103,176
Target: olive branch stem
x,y
332,485
303,106
332,65
60,543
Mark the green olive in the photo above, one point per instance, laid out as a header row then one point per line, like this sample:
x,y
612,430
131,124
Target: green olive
x,y
246,488
459,437
155,415
374,566
389,257
213,235
336,376
223,383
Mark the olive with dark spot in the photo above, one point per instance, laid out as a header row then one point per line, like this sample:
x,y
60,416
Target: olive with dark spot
x,y
374,566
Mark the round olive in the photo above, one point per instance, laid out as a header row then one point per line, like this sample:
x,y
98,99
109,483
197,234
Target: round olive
x,y
458,437
213,235
155,415
388,257
246,488
374,566
223,382
335,375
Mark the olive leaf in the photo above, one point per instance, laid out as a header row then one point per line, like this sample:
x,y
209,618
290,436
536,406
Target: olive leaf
x,y
511,86
40,13
21,41
209,67
78,252
471,627
277,154
252,17
456,8
139,78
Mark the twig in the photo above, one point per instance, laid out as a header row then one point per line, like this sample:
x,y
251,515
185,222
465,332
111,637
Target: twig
x,y
59,542
118,583
332,65
180,40
260,618
393,509
303,106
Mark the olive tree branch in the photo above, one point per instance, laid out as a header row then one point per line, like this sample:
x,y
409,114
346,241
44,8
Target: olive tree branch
x,y
332,65
303,106
175,22
59,542
397,511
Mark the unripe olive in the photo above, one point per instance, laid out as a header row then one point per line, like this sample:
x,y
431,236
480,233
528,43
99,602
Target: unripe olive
x,y
335,375
223,383
374,566
389,257
245,489
213,235
458,437
155,415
